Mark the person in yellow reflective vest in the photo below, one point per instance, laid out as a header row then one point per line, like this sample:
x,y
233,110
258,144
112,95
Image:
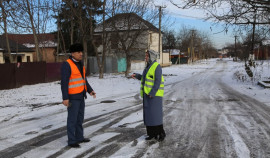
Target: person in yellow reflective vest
x,y
152,91
74,86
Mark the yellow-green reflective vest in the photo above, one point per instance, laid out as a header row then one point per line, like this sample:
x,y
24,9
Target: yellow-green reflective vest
x,y
149,82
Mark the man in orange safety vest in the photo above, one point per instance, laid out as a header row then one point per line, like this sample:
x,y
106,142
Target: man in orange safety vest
x,y
74,86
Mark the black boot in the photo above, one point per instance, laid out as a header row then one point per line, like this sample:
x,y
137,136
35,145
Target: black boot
x,y
149,138
161,137
75,145
85,140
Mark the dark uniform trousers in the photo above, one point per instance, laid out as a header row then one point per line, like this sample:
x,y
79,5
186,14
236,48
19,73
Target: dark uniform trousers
x,y
75,120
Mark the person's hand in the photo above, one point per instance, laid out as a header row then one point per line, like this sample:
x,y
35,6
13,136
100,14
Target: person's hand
x,y
133,76
93,93
66,102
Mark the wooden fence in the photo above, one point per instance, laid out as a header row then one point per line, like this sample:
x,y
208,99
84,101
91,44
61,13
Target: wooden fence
x,y
15,75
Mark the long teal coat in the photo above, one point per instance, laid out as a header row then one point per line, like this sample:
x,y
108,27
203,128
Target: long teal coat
x,y
152,107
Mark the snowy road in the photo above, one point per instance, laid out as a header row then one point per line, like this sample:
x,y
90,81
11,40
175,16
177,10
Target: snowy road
x,y
203,117
207,118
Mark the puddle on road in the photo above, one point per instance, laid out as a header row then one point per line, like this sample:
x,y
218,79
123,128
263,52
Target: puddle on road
x,y
233,99
30,119
229,99
108,101
169,75
31,132
173,101
47,127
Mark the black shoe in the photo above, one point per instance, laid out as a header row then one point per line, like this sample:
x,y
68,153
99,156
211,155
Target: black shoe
x,y
149,138
85,140
161,137
75,145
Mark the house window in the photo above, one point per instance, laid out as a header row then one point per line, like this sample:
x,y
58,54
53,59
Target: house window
x,y
114,41
19,59
7,60
28,58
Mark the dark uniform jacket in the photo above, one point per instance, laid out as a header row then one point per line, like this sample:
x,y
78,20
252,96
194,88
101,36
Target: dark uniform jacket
x,y
65,74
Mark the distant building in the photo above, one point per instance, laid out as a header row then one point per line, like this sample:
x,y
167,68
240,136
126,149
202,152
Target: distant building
x,y
176,55
266,43
130,24
262,52
47,45
19,53
223,53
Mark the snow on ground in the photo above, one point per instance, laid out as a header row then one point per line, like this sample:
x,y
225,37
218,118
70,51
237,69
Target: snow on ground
x,y
247,86
22,101
26,98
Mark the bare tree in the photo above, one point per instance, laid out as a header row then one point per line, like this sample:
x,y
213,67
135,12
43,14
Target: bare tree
x,y
183,38
77,21
197,40
126,21
169,40
33,21
30,16
4,6
55,8
206,47
231,11
29,11
104,44
242,15
27,16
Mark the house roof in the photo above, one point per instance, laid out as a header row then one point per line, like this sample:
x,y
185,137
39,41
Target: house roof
x,y
125,20
266,42
45,40
14,46
173,51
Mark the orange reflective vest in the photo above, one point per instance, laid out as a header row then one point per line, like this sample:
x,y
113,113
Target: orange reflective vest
x,y
76,82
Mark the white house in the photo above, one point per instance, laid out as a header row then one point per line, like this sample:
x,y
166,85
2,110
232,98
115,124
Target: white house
x,y
137,34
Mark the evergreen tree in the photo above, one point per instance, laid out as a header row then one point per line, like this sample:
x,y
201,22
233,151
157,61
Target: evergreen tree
x,y
76,22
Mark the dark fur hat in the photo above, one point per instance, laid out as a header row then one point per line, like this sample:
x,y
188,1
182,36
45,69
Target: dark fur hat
x,y
77,47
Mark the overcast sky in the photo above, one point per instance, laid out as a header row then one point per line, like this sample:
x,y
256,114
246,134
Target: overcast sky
x,y
193,18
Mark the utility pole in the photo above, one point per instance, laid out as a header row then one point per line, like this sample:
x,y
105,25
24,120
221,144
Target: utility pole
x,y
104,44
236,56
253,34
159,28
251,54
192,45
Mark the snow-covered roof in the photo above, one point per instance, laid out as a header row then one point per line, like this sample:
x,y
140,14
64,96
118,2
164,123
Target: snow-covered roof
x,y
44,44
45,40
14,47
266,42
173,51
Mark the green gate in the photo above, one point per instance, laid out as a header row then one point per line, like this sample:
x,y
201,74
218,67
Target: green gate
x,y
122,64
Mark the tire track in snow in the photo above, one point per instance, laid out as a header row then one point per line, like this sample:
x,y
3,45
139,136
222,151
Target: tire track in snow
x,y
47,137
251,121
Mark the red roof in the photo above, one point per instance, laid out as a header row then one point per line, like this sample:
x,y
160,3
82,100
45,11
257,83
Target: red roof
x,y
29,38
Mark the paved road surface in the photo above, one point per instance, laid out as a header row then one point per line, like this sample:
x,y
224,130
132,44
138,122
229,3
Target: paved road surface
x,y
203,117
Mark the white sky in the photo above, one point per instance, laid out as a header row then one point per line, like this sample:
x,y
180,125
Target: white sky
x,y
194,18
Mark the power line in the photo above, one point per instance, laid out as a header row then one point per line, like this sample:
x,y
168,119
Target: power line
x,y
181,15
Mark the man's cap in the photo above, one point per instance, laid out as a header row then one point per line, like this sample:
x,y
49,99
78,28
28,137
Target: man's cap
x,y
77,47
